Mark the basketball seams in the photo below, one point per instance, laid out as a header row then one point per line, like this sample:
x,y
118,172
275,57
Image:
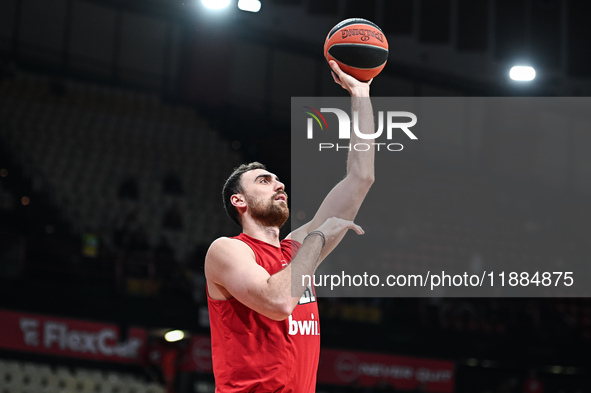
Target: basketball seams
x,y
363,44
352,21
362,68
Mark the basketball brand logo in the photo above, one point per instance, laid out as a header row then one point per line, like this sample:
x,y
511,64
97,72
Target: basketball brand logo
x,y
345,128
364,33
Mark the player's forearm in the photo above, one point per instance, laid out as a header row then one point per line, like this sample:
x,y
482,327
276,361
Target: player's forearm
x,y
360,162
287,286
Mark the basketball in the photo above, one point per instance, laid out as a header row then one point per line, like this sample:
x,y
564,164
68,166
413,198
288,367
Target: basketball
x,y
358,46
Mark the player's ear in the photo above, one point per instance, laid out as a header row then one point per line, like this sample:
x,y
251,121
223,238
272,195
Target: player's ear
x,y
238,200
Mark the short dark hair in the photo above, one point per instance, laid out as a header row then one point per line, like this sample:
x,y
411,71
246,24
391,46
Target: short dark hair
x,y
234,186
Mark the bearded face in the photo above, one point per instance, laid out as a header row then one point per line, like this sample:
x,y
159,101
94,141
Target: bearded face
x,y
269,212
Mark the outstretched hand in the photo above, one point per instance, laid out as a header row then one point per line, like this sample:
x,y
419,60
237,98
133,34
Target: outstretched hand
x,y
347,82
335,227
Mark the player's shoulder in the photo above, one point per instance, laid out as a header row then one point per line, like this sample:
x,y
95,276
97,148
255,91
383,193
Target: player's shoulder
x,y
224,242
226,247
226,254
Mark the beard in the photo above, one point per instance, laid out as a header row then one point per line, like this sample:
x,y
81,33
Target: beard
x,y
268,213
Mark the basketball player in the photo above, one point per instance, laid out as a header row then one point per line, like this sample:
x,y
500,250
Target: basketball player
x,y
265,339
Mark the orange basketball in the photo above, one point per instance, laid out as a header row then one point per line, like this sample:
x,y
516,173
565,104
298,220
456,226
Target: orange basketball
x,y
358,46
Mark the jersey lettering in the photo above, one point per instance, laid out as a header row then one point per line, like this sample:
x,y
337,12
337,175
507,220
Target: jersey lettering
x,y
304,328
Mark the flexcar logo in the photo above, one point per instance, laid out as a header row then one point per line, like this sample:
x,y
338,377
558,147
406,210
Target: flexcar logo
x,y
60,336
393,122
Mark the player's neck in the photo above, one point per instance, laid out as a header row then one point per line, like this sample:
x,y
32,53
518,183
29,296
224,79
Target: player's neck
x,y
268,234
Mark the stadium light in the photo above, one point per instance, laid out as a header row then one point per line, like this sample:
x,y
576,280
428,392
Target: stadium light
x,y
215,4
249,5
522,73
174,335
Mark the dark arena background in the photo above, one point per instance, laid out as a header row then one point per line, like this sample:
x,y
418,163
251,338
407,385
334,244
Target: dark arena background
x,y
120,120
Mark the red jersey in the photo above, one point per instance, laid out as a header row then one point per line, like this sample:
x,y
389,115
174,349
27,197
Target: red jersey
x,y
253,353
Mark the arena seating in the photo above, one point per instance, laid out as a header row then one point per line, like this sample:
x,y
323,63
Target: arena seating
x,y
81,141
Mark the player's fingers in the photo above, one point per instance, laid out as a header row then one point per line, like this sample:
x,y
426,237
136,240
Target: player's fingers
x,y
337,70
351,225
335,77
333,64
357,229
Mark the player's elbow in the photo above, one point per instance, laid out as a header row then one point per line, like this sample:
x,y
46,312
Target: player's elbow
x,y
369,179
281,311
363,176
365,180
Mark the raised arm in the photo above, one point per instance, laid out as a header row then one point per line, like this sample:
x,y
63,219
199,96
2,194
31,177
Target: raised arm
x,y
345,199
